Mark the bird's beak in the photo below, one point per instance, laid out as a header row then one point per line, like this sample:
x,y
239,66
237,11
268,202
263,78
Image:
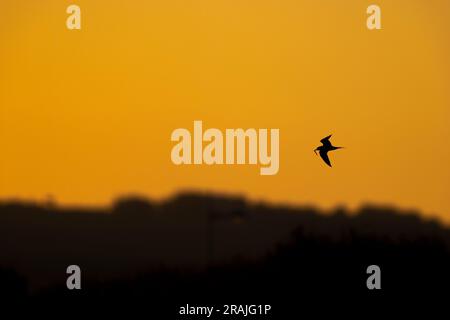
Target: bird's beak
x,y
315,151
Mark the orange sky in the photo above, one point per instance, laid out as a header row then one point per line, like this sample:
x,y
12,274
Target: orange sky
x,y
87,115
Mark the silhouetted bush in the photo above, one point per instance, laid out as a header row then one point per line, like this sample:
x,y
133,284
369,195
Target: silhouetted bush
x,y
217,249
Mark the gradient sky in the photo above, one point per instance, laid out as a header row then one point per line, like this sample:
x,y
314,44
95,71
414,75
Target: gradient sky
x,y
87,115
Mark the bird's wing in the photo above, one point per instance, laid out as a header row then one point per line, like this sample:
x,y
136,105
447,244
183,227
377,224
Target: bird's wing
x,y
326,141
324,156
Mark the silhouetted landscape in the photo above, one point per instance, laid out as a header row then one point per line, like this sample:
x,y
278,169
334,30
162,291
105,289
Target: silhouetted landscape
x,y
198,248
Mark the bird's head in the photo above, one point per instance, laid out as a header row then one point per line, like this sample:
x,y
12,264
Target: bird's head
x,y
316,149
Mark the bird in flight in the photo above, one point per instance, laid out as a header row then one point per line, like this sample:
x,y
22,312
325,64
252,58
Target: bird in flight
x,y
324,148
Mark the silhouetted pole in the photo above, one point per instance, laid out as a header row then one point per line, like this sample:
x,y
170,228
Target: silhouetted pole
x,y
209,238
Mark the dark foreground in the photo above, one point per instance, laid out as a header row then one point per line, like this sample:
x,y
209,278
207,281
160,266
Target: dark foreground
x,y
215,251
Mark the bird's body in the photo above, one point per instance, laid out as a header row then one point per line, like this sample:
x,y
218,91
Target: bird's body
x,y
325,148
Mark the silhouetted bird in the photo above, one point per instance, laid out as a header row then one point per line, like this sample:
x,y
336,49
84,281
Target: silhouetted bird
x,y
324,148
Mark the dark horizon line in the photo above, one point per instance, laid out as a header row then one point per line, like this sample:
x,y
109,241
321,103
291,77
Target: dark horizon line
x,y
51,203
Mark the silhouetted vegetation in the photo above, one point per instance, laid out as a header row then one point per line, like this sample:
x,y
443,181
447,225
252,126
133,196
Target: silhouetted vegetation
x,y
203,248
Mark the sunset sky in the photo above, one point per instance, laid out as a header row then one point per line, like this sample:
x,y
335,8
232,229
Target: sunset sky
x,y
86,115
